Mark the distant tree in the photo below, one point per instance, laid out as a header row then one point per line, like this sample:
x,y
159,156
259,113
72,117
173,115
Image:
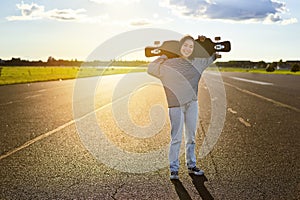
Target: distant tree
x,y
51,59
295,68
271,67
280,63
261,64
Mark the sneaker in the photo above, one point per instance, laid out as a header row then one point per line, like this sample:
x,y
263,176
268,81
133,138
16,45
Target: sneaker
x,y
174,175
196,171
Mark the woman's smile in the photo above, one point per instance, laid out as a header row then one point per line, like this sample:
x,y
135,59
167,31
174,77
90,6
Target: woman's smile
x,y
187,48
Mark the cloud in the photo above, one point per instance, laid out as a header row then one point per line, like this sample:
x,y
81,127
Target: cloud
x,y
140,22
33,11
29,12
66,14
115,1
270,11
145,21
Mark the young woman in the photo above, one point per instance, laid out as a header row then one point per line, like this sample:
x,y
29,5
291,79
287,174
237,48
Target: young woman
x,y
180,78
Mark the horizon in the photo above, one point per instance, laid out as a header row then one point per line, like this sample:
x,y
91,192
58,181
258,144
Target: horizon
x,y
35,30
76,60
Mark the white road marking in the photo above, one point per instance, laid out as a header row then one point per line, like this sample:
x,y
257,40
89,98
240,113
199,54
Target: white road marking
x,y
251,81
4,104
264,98
247,124
34,140
32,96
42,90
231,110
257,95
30,142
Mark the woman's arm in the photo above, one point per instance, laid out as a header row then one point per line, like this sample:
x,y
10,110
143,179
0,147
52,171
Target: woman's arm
x,y
202,63
154,66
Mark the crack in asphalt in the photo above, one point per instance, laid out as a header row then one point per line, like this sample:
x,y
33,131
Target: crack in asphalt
x,y
117,191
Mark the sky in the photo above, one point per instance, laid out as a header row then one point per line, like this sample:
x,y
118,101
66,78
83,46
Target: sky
x,y
259,30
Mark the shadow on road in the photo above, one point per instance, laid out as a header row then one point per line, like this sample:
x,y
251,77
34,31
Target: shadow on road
x,y
180,190
198,182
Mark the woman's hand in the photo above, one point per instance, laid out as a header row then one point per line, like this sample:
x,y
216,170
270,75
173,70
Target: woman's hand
x,y
201,38
162,59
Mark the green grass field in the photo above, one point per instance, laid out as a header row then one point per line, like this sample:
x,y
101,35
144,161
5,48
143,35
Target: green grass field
x,y
13,75
260,71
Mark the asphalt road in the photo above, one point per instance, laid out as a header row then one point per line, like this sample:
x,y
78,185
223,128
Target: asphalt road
x,y
60,140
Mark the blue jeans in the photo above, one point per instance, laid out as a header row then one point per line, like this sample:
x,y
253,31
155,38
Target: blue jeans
x,y
186,116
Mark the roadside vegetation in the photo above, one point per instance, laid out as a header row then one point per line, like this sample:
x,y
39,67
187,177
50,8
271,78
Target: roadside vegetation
x,y
261,71
13,75
17,70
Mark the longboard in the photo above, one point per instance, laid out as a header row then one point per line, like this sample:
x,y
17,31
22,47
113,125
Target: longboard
x,y
205,48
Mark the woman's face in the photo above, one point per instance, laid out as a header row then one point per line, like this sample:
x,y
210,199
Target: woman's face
x,y
187,48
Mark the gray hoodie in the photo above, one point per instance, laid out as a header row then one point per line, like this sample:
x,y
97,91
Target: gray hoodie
x,y
180,77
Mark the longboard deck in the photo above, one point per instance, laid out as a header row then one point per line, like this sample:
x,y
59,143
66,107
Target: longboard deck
x,y
203,49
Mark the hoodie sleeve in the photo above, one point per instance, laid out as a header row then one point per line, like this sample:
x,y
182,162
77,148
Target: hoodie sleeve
x,y
202,63
154,66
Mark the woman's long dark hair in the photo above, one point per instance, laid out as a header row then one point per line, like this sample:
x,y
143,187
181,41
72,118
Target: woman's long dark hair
x,y
182,40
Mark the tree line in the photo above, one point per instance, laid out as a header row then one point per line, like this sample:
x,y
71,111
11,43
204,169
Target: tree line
x,y
269,66
51,61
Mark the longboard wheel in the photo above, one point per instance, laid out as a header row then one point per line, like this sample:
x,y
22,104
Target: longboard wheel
x,y
156,43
